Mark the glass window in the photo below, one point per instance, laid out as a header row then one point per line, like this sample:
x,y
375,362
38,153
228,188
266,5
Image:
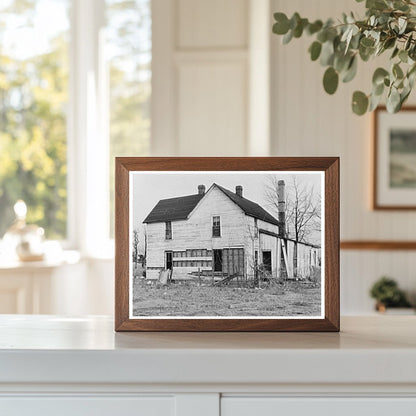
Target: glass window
x,y
216,226
168,230
33,112
129,53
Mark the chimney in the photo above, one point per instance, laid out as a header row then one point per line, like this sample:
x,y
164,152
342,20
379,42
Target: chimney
x,y
201,189
239,190
281,207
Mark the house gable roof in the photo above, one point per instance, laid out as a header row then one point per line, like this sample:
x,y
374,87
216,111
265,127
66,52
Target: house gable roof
x,y
174,209
249,207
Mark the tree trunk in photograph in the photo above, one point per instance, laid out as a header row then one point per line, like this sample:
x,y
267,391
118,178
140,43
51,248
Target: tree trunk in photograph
x,y
295,259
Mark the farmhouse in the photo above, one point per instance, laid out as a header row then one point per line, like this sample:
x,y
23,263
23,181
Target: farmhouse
x,y
220,233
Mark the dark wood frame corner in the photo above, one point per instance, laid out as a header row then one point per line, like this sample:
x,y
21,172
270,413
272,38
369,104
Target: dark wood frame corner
x,y
375,205
329,165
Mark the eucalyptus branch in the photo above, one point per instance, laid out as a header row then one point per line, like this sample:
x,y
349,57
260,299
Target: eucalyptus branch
x,y
389,25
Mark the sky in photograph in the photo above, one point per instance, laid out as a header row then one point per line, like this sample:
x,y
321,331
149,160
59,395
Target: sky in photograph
x,y
150,187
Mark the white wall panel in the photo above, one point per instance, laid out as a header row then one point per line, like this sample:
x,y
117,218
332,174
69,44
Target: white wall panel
x,y
308,122
212,108
212,24
200,77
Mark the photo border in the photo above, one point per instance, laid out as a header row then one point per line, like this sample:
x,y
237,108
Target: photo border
x,y
328,165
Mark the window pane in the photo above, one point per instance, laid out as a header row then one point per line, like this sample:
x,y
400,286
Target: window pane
x,y
129,45
33,100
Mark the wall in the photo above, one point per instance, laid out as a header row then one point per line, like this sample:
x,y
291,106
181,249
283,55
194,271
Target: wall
x,y
308,122
223,85
203,86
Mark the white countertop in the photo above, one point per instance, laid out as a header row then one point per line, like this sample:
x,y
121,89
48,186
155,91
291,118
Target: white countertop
x,y
52,349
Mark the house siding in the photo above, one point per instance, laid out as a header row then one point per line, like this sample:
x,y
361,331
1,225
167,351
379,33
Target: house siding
x,y
260,242
196,233
192,242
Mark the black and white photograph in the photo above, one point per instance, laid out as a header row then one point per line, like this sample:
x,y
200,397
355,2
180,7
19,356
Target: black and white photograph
x,y
226,244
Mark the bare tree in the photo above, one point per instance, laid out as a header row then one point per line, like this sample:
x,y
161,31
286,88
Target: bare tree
x,y
303,211
139,245
135,243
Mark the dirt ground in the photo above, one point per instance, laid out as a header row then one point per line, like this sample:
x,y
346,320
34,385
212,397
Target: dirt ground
x,y
288,298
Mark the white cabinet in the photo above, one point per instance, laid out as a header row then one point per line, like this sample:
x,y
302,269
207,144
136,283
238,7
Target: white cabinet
x,y
271,406
65,366
87,406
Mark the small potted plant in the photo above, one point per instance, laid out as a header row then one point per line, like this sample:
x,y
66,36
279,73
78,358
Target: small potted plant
x,y
387,294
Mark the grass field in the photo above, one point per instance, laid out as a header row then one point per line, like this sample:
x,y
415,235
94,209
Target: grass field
x,y
288,298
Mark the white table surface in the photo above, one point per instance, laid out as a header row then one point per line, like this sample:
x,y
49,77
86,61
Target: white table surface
x,y
49,349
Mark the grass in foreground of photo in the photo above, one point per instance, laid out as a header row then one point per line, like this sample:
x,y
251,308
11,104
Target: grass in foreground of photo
x,y
286,298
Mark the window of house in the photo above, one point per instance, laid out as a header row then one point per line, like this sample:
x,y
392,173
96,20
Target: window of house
x,y
256,228
168,230
59,134
216,226
267,261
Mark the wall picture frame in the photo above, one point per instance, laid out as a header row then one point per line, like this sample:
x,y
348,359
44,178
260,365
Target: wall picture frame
x,y
217,244
394,159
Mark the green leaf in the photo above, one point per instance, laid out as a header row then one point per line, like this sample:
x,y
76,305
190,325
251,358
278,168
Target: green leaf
x,y
314,27
298,30
288,37
330,80
342,62
389,43
397,71
378,89
322,36
408,42
351,71
374,102
400,5
367,42
403,96
376,4
395,52
402,24
379,75
294,20
393,101
359,103
327,53
315,50
403,56
281,27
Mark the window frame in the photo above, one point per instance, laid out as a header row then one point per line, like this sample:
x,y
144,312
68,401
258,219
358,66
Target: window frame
x,y
216,227
87,132
168,230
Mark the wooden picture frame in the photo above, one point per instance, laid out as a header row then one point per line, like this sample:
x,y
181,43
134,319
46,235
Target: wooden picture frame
x,y
391,178
130,173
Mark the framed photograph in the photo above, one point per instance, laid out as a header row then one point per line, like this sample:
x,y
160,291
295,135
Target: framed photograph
x,y
394,179
227,244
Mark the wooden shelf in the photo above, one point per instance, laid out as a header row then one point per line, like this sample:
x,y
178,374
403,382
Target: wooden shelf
x,y
378,245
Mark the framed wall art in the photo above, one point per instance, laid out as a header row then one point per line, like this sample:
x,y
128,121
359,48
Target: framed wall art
x,y
227,244
394,178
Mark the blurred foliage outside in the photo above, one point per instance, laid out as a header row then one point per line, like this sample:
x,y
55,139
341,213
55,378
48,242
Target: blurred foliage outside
x,y
129,45
34,101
